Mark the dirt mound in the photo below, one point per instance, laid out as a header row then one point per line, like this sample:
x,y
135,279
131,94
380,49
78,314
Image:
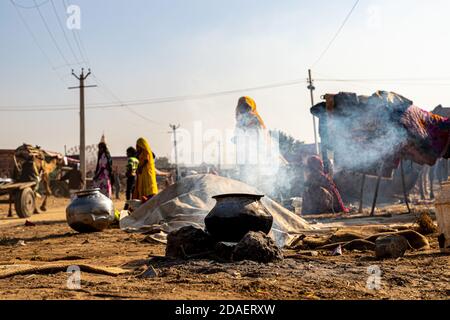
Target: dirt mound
x,y
188,241
257,246
391,246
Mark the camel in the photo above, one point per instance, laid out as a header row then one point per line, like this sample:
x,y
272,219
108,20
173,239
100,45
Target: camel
x,y
44,162
45,167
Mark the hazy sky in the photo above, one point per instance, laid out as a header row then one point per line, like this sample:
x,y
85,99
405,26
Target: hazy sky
x,y
143,49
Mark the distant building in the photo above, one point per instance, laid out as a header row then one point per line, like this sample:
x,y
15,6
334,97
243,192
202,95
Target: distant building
x,y
6,163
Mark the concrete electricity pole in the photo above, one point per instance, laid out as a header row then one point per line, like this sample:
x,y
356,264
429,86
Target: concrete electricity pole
x,y
174,130
311,90
81,78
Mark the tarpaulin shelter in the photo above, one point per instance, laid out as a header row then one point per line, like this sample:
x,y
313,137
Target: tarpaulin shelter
x,y
187,203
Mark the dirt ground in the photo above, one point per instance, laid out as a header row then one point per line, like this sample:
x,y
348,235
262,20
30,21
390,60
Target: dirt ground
x,y
302,275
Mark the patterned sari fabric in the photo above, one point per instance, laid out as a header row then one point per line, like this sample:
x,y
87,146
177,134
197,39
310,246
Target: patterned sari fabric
x,y
146,185
428,135
103,177
321,194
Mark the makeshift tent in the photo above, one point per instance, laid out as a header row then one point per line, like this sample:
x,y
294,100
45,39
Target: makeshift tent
x,y
368,132
187,202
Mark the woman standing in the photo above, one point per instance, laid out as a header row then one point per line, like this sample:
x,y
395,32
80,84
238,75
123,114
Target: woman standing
x,y
250,132
103,173
257,152
146,186
247,117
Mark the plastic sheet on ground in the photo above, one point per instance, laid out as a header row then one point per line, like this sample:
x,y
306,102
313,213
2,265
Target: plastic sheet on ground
x,y
187,203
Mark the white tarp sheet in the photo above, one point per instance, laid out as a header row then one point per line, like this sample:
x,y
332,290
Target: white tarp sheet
x,y
190,200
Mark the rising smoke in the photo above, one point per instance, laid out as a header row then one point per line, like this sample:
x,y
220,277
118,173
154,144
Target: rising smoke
x,y
363,132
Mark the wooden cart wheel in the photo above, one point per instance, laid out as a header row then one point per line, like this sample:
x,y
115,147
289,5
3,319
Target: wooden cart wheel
x,y
25,203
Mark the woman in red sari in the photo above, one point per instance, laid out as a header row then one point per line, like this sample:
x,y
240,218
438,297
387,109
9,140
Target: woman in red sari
x,y
321,194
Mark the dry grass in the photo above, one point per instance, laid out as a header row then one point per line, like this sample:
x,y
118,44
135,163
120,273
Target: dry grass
x,y
425,224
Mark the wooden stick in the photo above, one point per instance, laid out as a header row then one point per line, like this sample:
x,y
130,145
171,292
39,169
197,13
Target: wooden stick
x,y
380,172
361,194
405,195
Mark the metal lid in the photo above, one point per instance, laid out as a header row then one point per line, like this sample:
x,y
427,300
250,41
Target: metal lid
x,y
238,195
87,192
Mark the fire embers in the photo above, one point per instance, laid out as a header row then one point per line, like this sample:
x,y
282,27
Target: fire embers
x,y
189,242
257,246
236,229
194,243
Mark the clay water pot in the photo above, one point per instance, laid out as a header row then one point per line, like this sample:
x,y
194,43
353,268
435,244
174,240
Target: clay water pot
x,y
236,214
90,211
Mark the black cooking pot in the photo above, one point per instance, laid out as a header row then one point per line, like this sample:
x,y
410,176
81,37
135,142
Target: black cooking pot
x,y
236,214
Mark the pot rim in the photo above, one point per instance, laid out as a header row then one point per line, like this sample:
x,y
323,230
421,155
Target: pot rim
x,y
238,195
87,192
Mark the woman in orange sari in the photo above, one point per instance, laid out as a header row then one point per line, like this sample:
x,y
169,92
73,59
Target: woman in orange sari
x,y
146,186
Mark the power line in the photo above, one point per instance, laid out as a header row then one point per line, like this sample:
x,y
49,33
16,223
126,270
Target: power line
x,y
85,57
336,34
50,33
68,65
27,27
148,101
78,46
105,87
78,40
215,94
381,79
83,48
154,100
107,105
63,31
402,82
30,7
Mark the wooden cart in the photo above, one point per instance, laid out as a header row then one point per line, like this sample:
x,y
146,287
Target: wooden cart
x,y
22,195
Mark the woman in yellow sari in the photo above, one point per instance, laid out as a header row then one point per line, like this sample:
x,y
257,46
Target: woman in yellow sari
x,y
257,152
146,186
247,117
